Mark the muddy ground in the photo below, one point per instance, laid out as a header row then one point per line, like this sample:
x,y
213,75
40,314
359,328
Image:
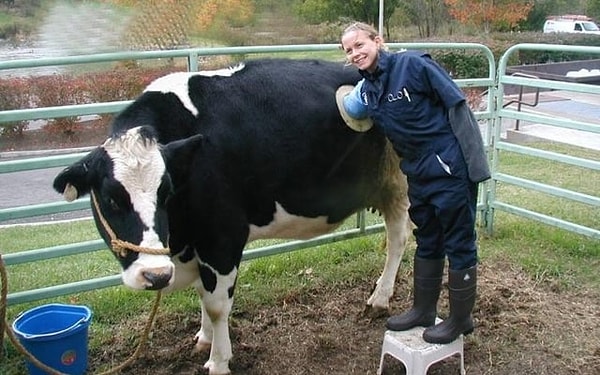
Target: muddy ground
x,y
523,327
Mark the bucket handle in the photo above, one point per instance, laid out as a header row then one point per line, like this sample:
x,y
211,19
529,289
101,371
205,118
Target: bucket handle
x,y
73,326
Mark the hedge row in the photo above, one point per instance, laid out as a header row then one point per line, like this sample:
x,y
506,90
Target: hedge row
x,y
123,83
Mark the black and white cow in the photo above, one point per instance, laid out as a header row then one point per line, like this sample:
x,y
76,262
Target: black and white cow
x,y
212,160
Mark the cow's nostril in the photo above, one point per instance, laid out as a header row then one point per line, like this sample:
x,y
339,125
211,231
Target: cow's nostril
x,y
157,280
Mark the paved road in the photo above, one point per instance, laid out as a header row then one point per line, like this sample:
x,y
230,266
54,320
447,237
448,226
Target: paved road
x,y
28,187
32,187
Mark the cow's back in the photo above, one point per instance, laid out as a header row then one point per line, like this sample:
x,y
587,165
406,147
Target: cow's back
x,y
278,136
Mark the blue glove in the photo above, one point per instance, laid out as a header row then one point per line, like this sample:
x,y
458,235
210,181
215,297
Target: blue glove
x,y
354,104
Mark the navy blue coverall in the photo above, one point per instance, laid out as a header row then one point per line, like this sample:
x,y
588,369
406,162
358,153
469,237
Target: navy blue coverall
x,y
411,98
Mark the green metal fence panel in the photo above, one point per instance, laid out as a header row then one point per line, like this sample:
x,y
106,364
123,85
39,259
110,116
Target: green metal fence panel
x,y
193,61
22,212
502,113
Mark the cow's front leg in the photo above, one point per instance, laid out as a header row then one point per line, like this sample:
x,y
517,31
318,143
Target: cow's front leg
x,y
204,336
217,301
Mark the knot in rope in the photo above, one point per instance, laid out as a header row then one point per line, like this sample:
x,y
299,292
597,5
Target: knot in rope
x,y
120,247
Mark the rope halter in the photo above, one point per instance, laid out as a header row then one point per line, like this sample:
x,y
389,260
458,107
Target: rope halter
x,y
118,246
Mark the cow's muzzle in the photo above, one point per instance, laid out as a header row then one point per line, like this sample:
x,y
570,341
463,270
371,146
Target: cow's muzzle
x,y
157,278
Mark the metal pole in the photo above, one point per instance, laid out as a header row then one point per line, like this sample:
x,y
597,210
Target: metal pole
x,y
381,17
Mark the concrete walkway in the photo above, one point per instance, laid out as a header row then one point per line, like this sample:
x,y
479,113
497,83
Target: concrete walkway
x,y
572,105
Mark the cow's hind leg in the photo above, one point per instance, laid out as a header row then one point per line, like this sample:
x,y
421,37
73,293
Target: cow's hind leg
x,y
216,291
398,228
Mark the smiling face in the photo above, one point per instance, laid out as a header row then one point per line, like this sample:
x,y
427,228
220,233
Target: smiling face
x,y
361,48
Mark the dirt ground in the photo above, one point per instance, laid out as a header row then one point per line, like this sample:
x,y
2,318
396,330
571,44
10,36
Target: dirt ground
x,y
522,328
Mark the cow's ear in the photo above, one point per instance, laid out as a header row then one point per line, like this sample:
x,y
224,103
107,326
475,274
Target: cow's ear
x,y
73,181
179,154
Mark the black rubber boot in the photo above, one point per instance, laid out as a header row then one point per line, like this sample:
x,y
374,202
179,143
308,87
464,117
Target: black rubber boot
x,y
462,290
427,276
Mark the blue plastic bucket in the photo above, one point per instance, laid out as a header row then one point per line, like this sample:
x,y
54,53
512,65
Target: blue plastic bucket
x,y
57,335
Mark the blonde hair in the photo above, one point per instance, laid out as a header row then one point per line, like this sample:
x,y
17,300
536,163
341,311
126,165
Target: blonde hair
x,y
370,30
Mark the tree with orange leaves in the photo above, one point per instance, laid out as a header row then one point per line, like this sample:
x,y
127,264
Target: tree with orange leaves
x,y
163,24
489,14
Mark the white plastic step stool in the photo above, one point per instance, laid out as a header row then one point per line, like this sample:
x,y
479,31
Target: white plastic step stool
x,y
415,353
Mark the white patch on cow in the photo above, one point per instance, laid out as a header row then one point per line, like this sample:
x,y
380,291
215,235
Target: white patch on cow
x,y
135,276
286,225
177,83
139,167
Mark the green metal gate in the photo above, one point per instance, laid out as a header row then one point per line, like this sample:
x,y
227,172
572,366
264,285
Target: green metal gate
x,y
584,119
490,118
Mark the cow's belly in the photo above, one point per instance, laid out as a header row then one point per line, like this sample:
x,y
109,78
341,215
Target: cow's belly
x,y
286,225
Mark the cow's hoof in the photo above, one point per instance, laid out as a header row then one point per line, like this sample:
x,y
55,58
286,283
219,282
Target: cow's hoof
x,y
201,344
200,347
375,312
379,299
217,369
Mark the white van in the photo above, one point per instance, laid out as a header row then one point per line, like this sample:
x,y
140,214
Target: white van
x,y
569,25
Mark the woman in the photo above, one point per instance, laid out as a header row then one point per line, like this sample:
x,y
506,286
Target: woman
x,y
425,116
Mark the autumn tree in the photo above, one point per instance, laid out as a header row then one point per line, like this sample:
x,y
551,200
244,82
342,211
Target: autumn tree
x,y
489,14
165,24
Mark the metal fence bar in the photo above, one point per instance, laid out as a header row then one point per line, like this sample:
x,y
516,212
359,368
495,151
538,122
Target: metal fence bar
x,y
114,280
22,212
53,252
62,290
547,84
549,155
62,111
39,163
549,220
548,189
555,121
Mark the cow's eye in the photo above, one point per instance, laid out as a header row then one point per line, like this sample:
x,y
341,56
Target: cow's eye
x,y
113,204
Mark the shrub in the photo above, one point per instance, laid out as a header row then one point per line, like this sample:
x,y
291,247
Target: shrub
x,y
121,84
15,95
125,82
59,90
462,64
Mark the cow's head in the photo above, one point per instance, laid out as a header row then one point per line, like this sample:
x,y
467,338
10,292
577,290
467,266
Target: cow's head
x,y
129,185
